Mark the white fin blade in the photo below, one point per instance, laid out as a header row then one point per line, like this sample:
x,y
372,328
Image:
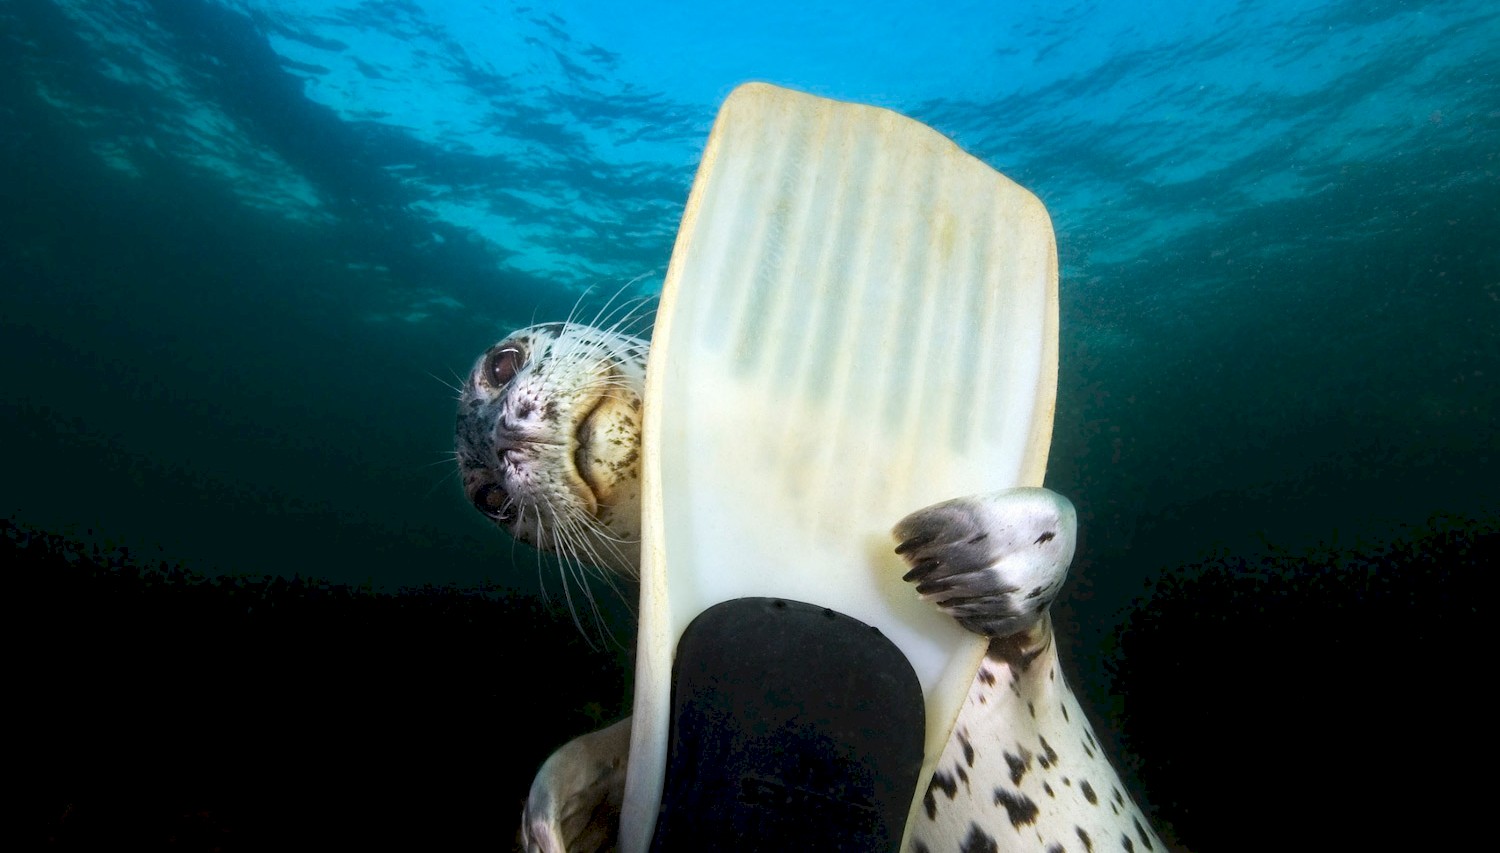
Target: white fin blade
x,y
859,320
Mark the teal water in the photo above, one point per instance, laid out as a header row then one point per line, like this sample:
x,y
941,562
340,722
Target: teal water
x,y
246,249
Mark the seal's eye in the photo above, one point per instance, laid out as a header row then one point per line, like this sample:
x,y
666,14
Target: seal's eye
x,y
492,500
502,365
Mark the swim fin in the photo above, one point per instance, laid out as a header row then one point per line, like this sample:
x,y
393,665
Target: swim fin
x,y
859,320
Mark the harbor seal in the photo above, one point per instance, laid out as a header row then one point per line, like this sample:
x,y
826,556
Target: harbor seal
x,y
548,446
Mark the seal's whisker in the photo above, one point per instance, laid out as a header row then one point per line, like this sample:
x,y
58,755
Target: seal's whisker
x,y
630,313
449,457
579,562
457,386
605,319
452,474
600,531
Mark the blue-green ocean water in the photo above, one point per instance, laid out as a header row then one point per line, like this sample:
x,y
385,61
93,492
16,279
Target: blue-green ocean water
x,y
247,249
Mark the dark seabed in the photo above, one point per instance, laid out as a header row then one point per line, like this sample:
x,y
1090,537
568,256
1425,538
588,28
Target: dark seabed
x,y
247,249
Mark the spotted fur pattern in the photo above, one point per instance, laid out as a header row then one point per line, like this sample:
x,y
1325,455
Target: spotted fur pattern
x,y
1023,770
548,438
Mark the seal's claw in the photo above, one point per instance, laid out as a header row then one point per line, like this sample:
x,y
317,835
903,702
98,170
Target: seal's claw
x,y
993,562
913,542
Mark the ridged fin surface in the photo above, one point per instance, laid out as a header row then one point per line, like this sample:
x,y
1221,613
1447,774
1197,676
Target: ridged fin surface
x,y
859,320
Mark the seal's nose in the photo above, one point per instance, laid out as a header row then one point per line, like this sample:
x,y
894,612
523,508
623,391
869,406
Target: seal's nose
x,y
507,439
516,426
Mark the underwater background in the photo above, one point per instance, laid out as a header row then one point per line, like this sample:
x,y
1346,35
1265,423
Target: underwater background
x,y
247,250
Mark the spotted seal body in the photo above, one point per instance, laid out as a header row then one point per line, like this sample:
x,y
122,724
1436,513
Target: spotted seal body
x,y
548,445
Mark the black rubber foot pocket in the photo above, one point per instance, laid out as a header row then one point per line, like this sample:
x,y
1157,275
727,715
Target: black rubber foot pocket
x,y
793,727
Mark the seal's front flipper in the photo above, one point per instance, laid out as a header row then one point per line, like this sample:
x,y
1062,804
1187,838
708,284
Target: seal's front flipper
x,y
793,728
859,319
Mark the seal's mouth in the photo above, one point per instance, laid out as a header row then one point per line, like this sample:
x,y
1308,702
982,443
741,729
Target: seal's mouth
x,y
583,440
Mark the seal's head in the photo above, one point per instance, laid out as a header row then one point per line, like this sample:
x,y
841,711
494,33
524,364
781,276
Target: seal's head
x,y
549,426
